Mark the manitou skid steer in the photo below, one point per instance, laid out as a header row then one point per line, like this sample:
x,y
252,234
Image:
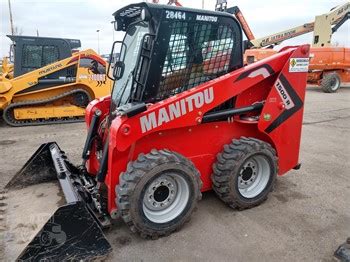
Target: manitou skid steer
x,y
184,117
52,82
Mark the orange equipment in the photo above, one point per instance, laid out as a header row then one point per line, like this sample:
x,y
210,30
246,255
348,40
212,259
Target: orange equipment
x,y
329,66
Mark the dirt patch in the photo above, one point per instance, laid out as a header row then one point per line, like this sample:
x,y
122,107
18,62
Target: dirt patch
x,y
7,142
122,240
40,195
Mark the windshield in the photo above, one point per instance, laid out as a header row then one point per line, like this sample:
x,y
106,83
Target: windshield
x,y
132,41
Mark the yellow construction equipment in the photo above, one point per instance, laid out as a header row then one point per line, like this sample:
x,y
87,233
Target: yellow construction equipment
x,y
48,89
6,69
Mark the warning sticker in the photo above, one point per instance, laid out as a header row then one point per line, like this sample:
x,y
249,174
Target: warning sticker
x,y
298,65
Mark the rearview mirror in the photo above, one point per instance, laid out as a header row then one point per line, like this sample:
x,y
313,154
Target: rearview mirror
x,y
116,60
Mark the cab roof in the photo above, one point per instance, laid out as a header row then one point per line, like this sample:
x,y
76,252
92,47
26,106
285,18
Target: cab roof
x,y
73,43
132,12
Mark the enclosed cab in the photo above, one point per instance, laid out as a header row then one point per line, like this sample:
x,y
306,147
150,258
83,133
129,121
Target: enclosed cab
x,y
32,52
167,50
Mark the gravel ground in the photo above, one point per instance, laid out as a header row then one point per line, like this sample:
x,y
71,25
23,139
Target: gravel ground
x,y
304,219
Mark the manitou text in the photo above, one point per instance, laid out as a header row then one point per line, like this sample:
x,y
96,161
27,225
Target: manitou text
x,y
176,109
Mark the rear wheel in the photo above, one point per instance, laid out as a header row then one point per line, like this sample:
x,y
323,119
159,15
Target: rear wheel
x,y
158,193
245,172
330,83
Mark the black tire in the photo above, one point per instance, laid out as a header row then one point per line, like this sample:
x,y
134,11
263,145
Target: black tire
x,y
138,178
81,99
230,167
330,82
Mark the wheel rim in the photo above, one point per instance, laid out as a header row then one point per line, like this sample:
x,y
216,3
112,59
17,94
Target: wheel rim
x,y
254,176
165,198
334,83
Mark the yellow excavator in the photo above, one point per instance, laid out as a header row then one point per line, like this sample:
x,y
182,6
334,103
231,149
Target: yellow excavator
x,y
51,81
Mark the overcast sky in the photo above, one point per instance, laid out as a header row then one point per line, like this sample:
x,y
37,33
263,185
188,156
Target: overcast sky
x,y
80,19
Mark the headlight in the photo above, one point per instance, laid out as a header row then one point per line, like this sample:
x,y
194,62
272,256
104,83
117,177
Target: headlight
x,y
116,25
144,14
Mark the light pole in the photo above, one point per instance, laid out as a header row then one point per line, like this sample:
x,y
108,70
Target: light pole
x,y
112,22
98,41
11,20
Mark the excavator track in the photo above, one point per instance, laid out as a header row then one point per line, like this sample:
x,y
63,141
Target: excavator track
x,y
8,114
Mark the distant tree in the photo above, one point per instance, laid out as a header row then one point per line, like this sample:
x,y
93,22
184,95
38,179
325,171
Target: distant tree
x,y
18,31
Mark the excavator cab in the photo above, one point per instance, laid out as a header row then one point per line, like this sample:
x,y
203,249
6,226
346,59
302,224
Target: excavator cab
x,y
167,50
32,52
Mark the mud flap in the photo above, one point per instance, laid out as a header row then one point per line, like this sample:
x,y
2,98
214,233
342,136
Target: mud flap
x,y
70,234
38,169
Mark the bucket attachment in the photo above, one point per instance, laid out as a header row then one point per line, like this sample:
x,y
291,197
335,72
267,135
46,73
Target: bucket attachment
x,y
70,234
74,231
38,169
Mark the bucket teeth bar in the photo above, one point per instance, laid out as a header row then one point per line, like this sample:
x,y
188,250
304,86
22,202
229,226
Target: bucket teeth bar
x,y
74,231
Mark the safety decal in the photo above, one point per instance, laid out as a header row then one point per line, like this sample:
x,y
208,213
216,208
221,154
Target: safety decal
x,y
297,65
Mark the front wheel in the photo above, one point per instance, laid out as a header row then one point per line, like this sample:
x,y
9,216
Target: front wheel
x,y
245,172
158,193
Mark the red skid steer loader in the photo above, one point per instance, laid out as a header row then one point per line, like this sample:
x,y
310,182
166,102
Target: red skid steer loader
x,y
185,116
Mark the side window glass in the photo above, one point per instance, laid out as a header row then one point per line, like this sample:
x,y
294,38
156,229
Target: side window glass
x,y
197,52
31,56
50,54
176,58
217,53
